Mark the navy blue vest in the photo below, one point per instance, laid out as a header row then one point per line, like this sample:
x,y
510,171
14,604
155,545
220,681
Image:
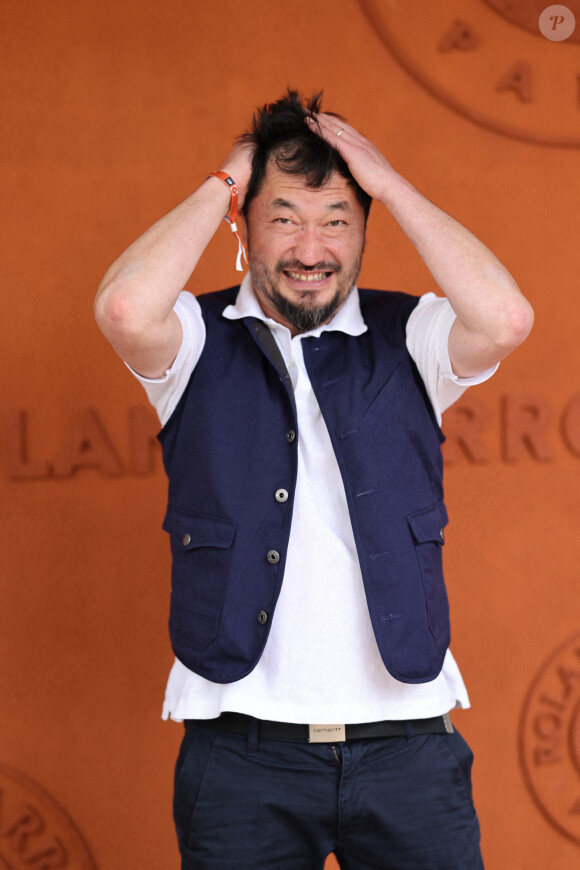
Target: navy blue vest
x,y
231,445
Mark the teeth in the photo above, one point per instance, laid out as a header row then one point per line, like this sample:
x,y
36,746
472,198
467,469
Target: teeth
x,y
310,276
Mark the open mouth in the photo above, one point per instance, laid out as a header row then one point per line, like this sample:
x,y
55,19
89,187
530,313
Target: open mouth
x,y
307,277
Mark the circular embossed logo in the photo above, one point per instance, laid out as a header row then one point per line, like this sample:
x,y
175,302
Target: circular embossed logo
x,y
489,60
550,739
35,831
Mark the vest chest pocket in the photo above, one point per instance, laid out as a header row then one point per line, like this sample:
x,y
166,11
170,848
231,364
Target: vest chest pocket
x,y
397,382
200,546
428,530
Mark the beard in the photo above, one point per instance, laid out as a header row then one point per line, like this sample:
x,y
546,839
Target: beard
x,y
306,314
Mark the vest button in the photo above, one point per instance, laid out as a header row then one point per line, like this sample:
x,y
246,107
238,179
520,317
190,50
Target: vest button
x,y
273,556
186,540
262,617
281,495
442,535
290,436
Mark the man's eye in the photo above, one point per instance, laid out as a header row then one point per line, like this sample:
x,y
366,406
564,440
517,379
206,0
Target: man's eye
x,y
283,220
337,223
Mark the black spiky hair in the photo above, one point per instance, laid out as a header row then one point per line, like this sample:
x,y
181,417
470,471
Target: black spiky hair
x,y
279,132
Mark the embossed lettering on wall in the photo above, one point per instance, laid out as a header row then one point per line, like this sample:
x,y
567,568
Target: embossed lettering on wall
x,y
489,61
35,831
83,443
523,427
526,427
550,739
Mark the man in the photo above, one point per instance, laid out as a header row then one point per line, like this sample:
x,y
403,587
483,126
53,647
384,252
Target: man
x,y
301,438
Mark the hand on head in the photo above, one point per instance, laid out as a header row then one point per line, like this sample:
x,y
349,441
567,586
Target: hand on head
x,y
366,163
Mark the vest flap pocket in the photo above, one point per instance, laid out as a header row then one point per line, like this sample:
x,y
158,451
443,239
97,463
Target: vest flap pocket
x,y
198,530
201,547
427,527
429,524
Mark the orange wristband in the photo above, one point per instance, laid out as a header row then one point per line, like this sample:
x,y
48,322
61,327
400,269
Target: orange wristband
x,y
229,181
233,212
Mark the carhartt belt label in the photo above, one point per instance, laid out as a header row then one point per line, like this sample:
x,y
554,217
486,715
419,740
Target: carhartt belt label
x,y
326,733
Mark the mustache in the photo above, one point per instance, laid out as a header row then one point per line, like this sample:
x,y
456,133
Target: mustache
x,y
297,266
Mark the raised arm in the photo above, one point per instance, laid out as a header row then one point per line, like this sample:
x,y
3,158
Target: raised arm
x,y
135,300
493,317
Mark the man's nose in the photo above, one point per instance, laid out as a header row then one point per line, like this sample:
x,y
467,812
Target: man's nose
x,y
309,246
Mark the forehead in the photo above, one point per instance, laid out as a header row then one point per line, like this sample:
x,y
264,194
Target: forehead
x,y
279,187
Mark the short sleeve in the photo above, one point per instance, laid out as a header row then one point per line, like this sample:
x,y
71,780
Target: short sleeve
x,y
164,393
428,330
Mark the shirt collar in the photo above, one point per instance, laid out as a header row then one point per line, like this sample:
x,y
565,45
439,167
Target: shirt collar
x,y
347,319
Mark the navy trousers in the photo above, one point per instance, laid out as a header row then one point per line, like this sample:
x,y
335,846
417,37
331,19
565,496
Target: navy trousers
x,y
395,803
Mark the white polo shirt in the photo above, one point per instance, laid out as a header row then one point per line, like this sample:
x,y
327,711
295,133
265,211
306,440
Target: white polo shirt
x,y
321,663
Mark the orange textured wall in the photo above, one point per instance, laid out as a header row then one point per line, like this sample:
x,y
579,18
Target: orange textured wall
x,y
112,113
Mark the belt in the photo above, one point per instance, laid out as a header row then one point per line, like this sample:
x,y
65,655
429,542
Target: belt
x,y
239,723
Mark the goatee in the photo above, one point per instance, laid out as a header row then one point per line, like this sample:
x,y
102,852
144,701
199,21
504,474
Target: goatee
x,y
305,316
303,319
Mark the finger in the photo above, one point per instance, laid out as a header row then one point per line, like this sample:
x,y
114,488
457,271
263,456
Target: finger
x,y
329,123
332,123
329,128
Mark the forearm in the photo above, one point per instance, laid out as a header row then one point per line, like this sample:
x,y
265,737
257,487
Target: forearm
x,y
135,301
493,317
139,291
479,288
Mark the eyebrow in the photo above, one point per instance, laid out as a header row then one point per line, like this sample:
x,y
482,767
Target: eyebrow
x,y
342,205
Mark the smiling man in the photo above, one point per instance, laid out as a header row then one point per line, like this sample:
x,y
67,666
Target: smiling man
x,y
300,431
305,248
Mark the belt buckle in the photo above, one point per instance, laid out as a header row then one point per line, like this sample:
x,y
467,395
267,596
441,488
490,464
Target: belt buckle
x,y
327,733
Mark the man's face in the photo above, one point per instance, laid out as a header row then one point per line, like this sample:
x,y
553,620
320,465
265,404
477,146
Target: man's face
x,y
305,247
